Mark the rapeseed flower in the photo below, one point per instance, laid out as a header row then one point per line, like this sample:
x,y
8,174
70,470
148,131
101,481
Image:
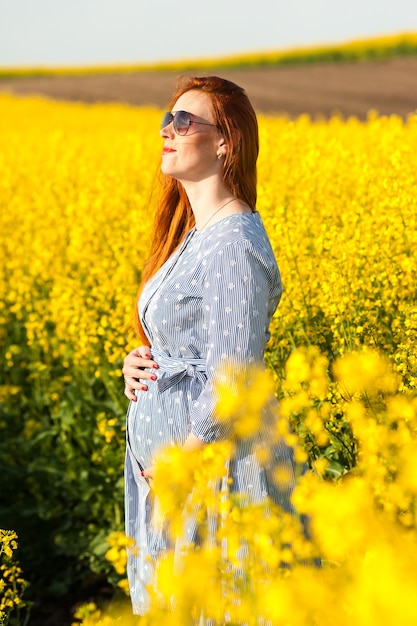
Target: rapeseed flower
x,y
339,201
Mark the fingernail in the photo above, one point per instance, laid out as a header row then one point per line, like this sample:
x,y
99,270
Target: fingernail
x,y
153,377
148,356
144,388
143,473
155,366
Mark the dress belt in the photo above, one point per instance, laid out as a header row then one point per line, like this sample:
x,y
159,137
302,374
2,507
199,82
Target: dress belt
x,y
177,369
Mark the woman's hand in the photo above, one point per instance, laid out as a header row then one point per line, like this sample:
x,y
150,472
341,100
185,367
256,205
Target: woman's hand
x,y
191,443
133,370
149,473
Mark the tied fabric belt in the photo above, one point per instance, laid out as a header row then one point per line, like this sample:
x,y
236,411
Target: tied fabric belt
x,y
177,368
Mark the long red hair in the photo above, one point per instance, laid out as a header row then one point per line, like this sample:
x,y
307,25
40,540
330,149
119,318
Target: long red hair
x,y
236,120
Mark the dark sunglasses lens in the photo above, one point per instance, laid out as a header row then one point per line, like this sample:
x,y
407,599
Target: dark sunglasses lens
x,y
167,119
182,122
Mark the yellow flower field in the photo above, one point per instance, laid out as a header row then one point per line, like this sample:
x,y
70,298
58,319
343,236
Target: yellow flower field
x,y
339,200
370,48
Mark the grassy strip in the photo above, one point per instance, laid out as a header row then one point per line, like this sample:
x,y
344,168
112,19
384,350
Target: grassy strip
x,y
376,48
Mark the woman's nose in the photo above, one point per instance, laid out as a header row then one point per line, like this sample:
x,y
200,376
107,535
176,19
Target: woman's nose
x,y
167,131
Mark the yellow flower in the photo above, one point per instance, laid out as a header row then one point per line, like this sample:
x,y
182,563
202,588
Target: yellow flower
x,y
367,371
338,199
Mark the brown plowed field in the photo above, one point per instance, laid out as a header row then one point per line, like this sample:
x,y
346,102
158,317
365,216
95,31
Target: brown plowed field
x,y
388,86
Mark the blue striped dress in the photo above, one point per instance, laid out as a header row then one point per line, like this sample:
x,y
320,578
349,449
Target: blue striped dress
x,y
211,302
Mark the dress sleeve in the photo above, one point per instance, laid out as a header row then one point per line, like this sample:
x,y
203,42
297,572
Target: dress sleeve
x,y
236,315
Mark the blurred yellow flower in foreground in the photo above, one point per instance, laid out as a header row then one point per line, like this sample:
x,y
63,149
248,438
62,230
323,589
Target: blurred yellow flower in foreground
x,y
366,371
241,403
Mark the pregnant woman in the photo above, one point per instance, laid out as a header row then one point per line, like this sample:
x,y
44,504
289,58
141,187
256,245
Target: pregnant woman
x,y
210,288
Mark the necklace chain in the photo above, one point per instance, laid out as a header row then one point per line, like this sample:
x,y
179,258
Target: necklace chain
x,y
215,213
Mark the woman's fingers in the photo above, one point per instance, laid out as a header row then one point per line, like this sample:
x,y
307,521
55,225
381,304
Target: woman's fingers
x,y
148,472
144,352
130,394
138,359
134,371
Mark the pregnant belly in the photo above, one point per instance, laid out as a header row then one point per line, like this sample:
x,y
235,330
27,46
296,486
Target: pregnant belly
x,y
159,419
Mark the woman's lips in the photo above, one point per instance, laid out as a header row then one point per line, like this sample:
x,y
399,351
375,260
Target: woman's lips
x,y
167,150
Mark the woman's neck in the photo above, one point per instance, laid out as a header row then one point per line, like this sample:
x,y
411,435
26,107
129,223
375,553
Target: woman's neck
x,y
211,201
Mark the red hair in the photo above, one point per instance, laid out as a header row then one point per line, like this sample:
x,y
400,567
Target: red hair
x,y
236,120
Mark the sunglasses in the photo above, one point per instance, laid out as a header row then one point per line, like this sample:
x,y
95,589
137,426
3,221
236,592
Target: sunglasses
x,y
181,121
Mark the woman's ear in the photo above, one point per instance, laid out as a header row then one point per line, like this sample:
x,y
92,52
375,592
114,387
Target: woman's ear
x,y
222,148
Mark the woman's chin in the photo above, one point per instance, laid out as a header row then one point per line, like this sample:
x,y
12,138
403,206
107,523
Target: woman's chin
x,y
167,171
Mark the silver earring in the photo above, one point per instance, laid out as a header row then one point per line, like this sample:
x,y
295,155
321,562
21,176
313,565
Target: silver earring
x,y
219,155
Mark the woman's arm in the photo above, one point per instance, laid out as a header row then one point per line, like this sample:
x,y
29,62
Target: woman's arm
x,y
236,306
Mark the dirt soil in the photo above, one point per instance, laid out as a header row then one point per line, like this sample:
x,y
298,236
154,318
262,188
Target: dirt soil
x,y
388,87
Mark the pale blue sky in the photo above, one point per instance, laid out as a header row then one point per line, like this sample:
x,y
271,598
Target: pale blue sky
x,y
78,32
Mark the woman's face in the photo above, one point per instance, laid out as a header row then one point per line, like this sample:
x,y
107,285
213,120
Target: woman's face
x,y
192,157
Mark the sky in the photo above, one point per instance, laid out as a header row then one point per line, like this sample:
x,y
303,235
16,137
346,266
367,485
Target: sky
x,y
86,32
